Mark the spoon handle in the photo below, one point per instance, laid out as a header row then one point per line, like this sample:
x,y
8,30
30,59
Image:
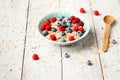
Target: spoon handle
x,y
106,37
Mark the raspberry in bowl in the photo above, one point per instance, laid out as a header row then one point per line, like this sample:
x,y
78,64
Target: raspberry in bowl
x,y
63,28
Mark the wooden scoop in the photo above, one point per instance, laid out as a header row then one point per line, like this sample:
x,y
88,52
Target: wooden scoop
x,y
108,21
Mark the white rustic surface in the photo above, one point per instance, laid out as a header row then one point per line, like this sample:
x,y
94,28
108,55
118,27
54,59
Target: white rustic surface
x,y
19,25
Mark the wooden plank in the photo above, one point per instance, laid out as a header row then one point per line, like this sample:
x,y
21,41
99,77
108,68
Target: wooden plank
x,y
48,67
110,60
75,67
12,34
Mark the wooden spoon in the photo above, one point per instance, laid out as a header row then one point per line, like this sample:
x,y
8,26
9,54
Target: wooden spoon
x,y
108,21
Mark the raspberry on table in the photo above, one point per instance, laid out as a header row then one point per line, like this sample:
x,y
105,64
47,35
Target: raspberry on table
x,y
35,56
62,28
96,12
53,37
71,38
82,10
53,19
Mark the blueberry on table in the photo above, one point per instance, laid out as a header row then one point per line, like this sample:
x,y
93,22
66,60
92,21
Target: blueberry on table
x,y
62,33
69,30
62,40
53,29
45,32
114,41
89,63
66,55
79,33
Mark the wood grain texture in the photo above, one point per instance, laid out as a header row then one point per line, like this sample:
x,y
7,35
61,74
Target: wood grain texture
x,y
110,59
75,67
12,34
48,67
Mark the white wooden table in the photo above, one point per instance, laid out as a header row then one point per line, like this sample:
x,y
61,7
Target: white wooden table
x,y
20,39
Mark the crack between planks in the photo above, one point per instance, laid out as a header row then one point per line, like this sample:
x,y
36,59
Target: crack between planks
x,y
27,14
97,42
61,64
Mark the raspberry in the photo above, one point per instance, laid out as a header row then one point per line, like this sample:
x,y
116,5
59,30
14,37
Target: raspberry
x,y
35,57
53,19
76,28
81,29
74,21
62,28
78,20
42,27
48,27
96,12
72,18
47,22
71,38
82,10
81,23
53,37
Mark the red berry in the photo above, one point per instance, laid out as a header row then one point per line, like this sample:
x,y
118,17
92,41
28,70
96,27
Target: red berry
x,y
78,20
74,21
53,37
81,29
75,28
62,28
96,12
47,22
53,19
82,10
42,27
35,57
48,27
81,23
72,18
71,38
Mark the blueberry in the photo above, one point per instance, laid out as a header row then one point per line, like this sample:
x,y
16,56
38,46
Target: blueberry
x,y
114,41
45,32
69,24
62,33
58,24
62,17
65,25
69,21
53,29
67,18
79,33
62,40
59,19
66,55
63,21
69,30
89,63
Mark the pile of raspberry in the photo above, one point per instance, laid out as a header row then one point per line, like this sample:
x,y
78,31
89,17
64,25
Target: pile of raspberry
x,y
68,28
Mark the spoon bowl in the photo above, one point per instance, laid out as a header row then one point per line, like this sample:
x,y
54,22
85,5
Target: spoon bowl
x,y
108,19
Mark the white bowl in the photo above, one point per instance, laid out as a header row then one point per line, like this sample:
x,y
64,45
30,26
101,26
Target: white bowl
x,y
66,14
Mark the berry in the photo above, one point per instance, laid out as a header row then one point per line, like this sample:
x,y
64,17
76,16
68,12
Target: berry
x,y
71,38
69,30
96,12
53,37
35,57
59,19
64,24
114,41
82,10
81,23
78,20
47,22
66,55
53,29
74,21
63,21
79,33
69,24
75,28
42,27
62,28
58,24
63,40
89,63
62,33
45,32
53,19
81,29
48,27
72,18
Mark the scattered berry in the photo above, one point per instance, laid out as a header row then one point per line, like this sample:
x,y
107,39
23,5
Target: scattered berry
x,y
66,55
53,19
71,38
81,29
79,33
114,41
76,28
96,12
45,32
72,18
89,63
48,27
53,29
62,28
82,10
62,40
35,57
53,37
81,23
